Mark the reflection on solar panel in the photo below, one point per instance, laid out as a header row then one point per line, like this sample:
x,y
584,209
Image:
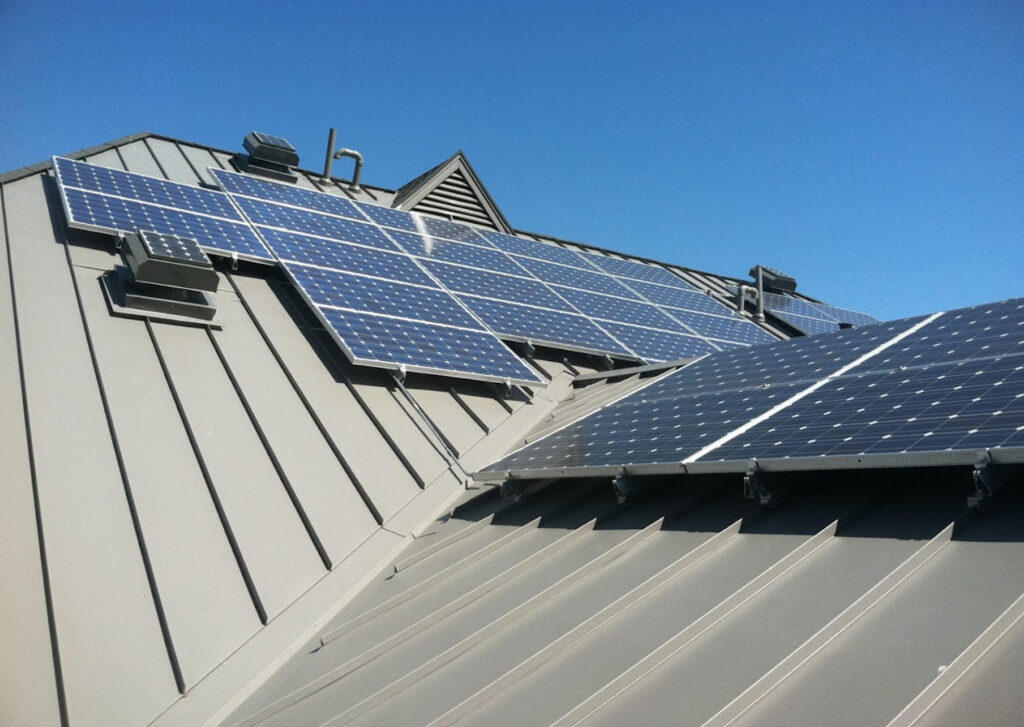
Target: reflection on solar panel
x,y
531,248
109,200
271,214
248,186
811,317
949,382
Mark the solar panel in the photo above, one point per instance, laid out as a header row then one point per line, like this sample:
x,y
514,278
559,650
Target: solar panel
x,y
611,308
485,258
636,270
510,288
810,326
271,214
688,299
248,186
388,216
296,247
843,315
811,317
448,229
564,275
272,140
171,247
736,329
954,381
108,200
544,327
531,248
653,345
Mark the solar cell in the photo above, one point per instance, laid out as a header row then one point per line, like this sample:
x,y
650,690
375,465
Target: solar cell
x,y
495,285
485,258
356,292
271,214
242,184
294,247
606,307
532,248
542,326
653,345
172,247
418,346
100,212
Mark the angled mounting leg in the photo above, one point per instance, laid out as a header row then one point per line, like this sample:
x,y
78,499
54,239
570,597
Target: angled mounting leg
x,y
625,488
756,487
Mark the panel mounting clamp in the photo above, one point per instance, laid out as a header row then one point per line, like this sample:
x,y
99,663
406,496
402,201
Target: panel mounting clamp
x,y
756,487
234,261
625,487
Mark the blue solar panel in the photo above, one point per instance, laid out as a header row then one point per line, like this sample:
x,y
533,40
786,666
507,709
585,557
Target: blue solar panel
x,y
952,382
291,246
386,297
271,214
141,188
810,326
450,230
606,307
172,247
91,210
485,258
689,299
542,326
242,184
722,328
844,315
637,270
785,304
652,345
272,140
531,248
575,277
419,346
388,216
494,285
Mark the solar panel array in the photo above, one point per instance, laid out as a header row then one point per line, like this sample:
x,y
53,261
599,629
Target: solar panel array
x,y
109,200
811,317
171,247
950,382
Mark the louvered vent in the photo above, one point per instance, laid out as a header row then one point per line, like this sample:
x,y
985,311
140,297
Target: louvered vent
x,y
455,198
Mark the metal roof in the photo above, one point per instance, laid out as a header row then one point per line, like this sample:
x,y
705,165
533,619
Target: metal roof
x,y
192,510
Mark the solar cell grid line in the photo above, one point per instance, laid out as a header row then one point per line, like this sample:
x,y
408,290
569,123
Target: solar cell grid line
x,y
424,347
535,249
338,289
655,345
498,286
541,326
563,275
949,406
349,257
103,213
267,190
140,188
961,335
620,310
485,258
271,214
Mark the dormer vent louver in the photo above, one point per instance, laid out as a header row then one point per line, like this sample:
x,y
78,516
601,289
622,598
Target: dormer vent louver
x,y
269,156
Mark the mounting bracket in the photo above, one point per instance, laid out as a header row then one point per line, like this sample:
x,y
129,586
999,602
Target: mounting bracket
x,y
988,478
755,486
234,262
400,374
625,488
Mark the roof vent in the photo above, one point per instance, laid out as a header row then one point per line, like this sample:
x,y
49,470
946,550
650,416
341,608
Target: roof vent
x,y
773,279
269,156
164,274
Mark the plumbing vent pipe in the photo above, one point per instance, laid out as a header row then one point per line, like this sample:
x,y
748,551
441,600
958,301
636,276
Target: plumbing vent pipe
x,y
759,315
339,154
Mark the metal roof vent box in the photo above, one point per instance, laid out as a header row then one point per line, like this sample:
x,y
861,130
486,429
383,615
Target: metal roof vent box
x,y
164,275
269,156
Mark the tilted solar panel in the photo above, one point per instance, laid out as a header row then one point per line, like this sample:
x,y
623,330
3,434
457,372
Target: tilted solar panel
x,y
108,200
249,186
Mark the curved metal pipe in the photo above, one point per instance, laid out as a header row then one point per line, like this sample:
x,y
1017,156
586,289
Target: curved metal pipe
x,y
332,155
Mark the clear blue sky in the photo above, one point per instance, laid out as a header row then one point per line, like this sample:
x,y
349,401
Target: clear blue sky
x,y
875,151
